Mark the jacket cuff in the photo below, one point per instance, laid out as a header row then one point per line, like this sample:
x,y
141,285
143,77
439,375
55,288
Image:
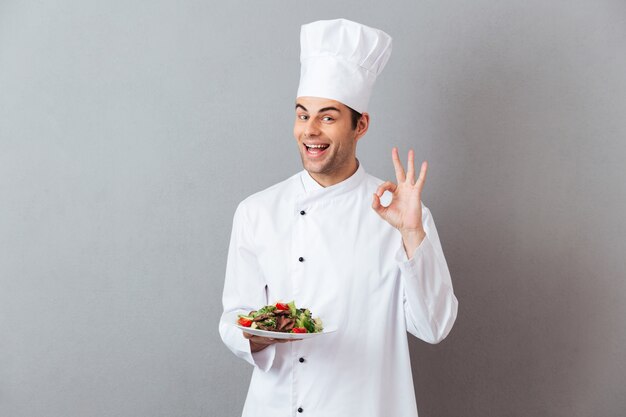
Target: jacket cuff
x,y
240,346
264,359
404,262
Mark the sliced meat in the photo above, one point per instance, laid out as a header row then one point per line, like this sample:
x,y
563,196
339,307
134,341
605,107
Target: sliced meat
x,y
284,323
262,317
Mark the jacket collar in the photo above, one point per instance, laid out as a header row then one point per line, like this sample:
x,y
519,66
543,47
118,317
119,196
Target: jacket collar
x,y
313,190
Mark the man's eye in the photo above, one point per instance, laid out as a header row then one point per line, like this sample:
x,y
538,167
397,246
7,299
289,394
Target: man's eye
x,y
327,118
303,117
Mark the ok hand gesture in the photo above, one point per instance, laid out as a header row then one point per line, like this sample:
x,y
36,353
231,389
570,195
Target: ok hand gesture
x,y
405,210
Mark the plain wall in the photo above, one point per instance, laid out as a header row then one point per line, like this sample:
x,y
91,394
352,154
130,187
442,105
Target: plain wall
x,y
129,131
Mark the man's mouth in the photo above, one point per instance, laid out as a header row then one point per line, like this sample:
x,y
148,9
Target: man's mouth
x,y
315,150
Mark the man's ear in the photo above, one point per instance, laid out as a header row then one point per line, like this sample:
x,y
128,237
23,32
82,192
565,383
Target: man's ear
x,y
362,125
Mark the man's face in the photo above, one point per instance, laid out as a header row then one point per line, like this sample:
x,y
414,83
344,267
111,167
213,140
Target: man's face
x,y
326,140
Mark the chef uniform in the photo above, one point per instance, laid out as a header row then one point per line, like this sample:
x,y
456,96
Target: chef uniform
x,y
327,249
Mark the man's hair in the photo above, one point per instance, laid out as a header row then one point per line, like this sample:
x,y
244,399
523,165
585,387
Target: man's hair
x,y
355,117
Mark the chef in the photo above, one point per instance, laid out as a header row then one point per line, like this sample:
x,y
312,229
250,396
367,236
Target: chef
x,y
373,270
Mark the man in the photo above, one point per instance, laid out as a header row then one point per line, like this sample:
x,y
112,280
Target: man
x,y
324,239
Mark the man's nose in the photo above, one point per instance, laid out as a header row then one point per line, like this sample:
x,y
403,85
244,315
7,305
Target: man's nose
x,y
312,128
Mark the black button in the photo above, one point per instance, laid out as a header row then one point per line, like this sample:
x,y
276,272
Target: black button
x,y
301,360
301,259
302,212
300,409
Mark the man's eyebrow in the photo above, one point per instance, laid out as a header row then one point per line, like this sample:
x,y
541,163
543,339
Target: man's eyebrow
x,y
320,110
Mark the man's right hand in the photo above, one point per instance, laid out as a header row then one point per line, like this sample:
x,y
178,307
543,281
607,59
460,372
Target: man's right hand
x,y
258,343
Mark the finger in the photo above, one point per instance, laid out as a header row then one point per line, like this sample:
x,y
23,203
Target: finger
x,y
400,176
410,173
386,186
378,208
259,339
422,178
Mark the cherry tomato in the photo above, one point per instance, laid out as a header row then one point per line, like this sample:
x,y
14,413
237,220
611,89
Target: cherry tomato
x,y
282,306
244,322
299,330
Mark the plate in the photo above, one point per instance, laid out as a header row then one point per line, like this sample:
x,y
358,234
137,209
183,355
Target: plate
x,y
231,318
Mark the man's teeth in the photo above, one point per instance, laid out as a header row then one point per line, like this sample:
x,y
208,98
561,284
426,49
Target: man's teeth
x,y
317,146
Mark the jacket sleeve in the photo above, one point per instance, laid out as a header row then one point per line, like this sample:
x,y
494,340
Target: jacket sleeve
x,y
430,306
244,291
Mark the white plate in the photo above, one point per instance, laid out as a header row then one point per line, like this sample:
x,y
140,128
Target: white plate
x,y
232,317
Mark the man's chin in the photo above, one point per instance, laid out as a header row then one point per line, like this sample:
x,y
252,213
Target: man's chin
x,y
316,167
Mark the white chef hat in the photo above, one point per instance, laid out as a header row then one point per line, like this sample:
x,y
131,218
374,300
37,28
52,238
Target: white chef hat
x,y
341,60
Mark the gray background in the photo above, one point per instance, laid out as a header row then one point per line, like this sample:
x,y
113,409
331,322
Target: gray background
x,y
130,131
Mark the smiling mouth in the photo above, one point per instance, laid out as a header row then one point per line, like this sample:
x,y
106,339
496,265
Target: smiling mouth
x,y
315,150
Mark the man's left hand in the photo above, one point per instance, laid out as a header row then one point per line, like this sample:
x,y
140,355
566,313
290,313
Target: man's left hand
x,y
405,210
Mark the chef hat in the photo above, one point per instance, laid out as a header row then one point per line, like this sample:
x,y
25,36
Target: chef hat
x,y
340,61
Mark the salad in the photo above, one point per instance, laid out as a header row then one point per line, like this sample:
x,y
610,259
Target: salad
x,y
282,317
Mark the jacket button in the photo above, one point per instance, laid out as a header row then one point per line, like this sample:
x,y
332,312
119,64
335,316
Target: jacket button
x,y
302,212
301,259
301,360
300,409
